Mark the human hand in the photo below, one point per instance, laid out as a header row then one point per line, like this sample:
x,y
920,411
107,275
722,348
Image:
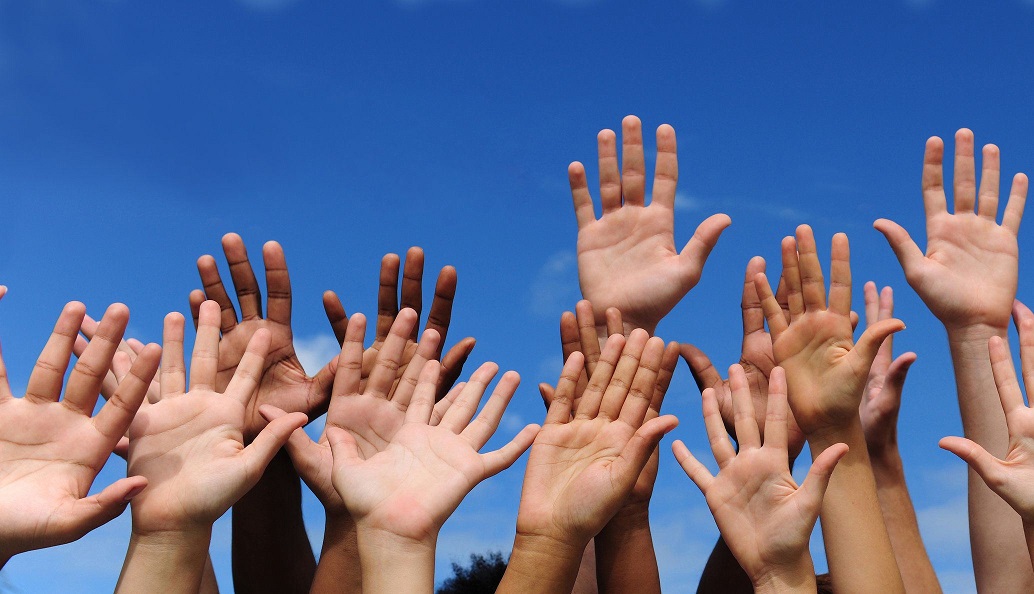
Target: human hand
x,y
374,415
412,298
825,369
964,249
756,359
627,258
190,444
51,450
881,399
1012,478
284,383
414,481
764,517
582,469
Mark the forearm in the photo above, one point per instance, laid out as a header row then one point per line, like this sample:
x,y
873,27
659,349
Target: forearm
x,y
271,551
858,547
722,574
541,565
995,531
625,558
165,562
1028,533
799,578
339,568
209,585
900,518
585,583
391,564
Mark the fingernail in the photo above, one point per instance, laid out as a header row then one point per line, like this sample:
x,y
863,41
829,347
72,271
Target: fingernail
x,y
136,491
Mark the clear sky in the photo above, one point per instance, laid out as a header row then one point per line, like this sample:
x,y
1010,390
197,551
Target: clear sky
x,y
133,135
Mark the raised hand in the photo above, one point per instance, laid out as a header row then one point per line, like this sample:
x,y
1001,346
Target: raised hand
x,y
51,449
756,359
627,258
284,383
881,399
764,517
966,248
1012,477
438,318
825,370
190,444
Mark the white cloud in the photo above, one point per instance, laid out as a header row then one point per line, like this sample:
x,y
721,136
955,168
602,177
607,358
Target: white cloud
x,y
555,287
316,351
687,203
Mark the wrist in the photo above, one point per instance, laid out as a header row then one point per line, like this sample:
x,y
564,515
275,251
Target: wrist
x,y
382,553
796,577
630,518
886,459
975,335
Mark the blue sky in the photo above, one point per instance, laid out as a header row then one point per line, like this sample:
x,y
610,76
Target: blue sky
x,y
134,135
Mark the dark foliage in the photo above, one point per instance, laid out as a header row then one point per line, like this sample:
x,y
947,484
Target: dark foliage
x,y
482,577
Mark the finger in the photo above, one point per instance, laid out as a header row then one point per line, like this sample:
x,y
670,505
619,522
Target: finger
x,y
445,403
987,204
501,459
644,384
744,419
560,409
750,303
389,358
886,304
1017,199
387,295
791,277
777,323
452,364
122,448
88,373
898,371
965,186
88,513
349,372
633,161
570,339
934,201
669,359
666,172
908,253
589,341
546,393
422,404
114,417
278,284
983,463
1005,379
715,427
868,345
134,346
212,281
610,176
412,283
173,375
466,404
248,375
624,375
872,303
593,395
49,372
584,212
697,472
814,486
244,282
1024,320
440,315
704,372
307,456
335,315
343,446
196,298
840,275
257,455
204,362
425,351
614,322
642,445
777,412
695,253
481,429
780,296
813,285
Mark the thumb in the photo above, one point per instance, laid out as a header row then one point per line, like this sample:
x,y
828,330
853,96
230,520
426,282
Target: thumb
x,y
864,351
814,486
343,446
898,370
983,463
908,253
700,245
704,373
90,512
641,446
269,441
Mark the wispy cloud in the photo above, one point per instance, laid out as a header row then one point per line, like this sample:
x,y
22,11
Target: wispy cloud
x,y
687,203
316,351
556,285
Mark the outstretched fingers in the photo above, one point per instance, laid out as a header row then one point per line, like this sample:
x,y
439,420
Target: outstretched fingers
x,y
49,372
666,172
481,429
173,374
1017,199
934,200
212,282
501,459
116,415
278,284
244,282
257,455
633,161
584,212
563,396
610,174
777,322
965,186
88,373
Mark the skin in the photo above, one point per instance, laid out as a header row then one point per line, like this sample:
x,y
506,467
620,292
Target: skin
x,y
585,462
1011,477
627,257
764,517
878,412
968,248
826,373
401,490
51,448
190,447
